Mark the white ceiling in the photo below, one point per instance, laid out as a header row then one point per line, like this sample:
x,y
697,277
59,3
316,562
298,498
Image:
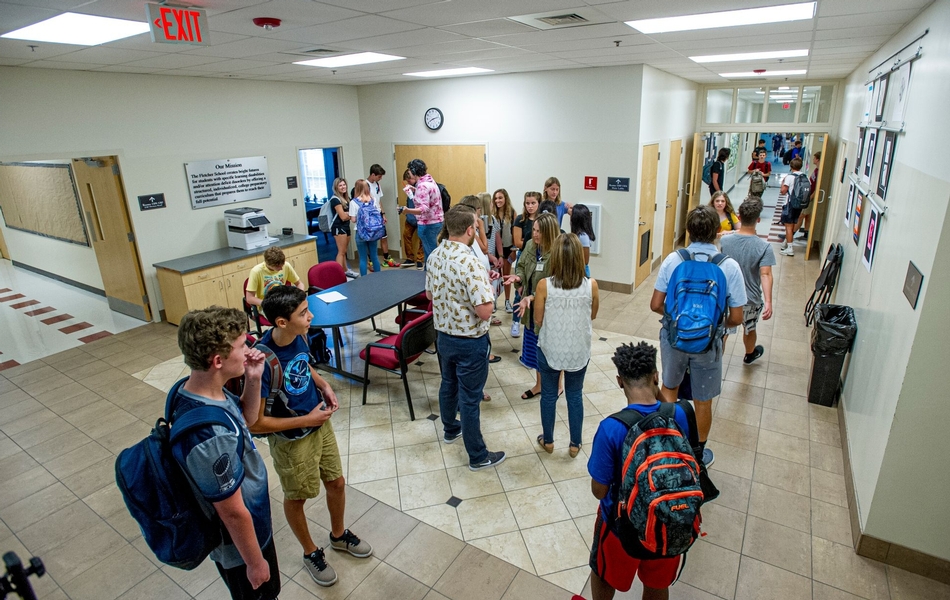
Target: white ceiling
x,y
457,33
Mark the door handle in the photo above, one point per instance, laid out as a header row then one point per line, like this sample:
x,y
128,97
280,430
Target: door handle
x,y
221,285
668,205
821,196
229,282
688,184
642,223
92,227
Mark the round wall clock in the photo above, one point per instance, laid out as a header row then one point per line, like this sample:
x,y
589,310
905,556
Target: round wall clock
x,y
433,119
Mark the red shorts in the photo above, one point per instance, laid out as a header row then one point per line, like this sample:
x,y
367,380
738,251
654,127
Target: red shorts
x,y
611,563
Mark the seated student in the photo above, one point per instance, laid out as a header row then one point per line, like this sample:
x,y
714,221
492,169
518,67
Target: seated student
x,y
212,342
611,567
304,447
273,272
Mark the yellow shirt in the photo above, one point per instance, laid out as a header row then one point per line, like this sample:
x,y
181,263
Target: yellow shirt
x,y
263,279
728,225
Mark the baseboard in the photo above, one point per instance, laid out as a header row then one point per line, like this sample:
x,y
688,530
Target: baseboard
x,y
610,286
66,280
871,547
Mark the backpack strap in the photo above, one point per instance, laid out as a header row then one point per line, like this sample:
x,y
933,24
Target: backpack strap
x,y
684,254
693,433
718,259
627,417
276,376
198,417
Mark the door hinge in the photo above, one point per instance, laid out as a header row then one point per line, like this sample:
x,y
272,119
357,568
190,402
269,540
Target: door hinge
x,y
115,169
485,157
394,157
145,300
131,237
658,155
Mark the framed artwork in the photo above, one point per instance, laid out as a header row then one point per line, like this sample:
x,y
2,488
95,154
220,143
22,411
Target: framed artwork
x,y
899,93
849,208
869,148
857,159
887,158
870,102
874,230
880,92
858,206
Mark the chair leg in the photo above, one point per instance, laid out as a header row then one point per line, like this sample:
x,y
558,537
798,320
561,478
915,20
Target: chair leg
x,y
405,383
366,375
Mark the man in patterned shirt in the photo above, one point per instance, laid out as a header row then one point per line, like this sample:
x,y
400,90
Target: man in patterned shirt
x,y
462,300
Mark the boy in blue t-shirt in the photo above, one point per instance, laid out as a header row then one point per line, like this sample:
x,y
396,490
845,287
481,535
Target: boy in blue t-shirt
x,y
212,342
304,446
611,567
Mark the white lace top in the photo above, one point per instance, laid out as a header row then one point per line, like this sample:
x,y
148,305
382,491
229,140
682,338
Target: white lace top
x,y
567,329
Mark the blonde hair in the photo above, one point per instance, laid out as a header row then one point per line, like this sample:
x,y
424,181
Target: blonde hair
x,y
345,198
548,230
506,212
567,262
360,188
548,183
724,196
485,197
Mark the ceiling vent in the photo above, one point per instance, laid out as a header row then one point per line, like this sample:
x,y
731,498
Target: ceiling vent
x,y
578,17
314,52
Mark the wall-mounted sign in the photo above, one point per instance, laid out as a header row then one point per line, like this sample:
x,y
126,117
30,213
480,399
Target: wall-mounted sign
x,y
177,25
292,182
912,283
590,183
227,180
618,184
151,201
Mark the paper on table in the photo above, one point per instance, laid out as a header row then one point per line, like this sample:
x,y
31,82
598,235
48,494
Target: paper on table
x,y
329,297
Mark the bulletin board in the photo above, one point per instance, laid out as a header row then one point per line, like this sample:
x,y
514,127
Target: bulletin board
x,y
40,198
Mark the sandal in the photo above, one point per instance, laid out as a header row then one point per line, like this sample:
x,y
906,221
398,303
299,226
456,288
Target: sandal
x,y
574,450
549,448
528,394
495,321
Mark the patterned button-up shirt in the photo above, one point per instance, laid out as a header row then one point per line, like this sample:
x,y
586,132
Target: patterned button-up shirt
x,y
428,199
458,283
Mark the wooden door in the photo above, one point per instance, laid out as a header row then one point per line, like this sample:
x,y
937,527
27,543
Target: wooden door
x,y
107,219
461,169
650,156
4,253
819,206
694,189
672,197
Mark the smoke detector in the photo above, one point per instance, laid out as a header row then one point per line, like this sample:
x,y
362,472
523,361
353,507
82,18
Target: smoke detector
x,y
267,23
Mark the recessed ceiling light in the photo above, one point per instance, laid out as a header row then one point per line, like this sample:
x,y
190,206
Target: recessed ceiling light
x,y
451,72
763,73
730,18
81,30
349,60
749,56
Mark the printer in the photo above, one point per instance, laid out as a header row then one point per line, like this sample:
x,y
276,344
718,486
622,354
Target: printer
x,y
247,228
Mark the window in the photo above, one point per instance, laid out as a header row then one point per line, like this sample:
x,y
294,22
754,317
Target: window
x,y
749,105
783,102
816,103
718,106
318,168
776,104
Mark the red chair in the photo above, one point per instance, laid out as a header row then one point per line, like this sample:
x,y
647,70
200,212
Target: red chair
x,y
325,275
254,313
395,352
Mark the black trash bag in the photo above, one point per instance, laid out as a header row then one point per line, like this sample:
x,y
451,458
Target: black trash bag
x,y
834,330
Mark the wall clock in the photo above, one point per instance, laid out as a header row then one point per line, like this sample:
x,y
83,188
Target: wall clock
x,y
433,119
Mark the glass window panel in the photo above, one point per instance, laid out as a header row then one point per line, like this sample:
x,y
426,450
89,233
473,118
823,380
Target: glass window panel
x,y
816,104
749,105
718,106
782,101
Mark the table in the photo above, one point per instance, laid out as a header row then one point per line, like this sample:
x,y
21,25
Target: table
x,y
366,297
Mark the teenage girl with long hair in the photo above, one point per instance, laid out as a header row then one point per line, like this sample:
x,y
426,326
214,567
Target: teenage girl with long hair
x,y
522,233
504,215
552,191
582,225
340,228
728,220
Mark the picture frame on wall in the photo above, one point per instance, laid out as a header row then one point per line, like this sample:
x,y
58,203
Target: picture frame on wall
x,y
849,207
899,93
857,158
880,91
858,207
869,148
874,231
869,102
887,159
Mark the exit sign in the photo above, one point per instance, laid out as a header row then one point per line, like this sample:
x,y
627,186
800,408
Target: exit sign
x,y
174,25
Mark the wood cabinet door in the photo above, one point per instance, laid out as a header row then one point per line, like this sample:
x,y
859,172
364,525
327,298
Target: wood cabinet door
x,y
234,289
206,293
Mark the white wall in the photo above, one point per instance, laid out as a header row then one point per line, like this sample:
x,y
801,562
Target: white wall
x,y
567,124
667,113
155,124
892,460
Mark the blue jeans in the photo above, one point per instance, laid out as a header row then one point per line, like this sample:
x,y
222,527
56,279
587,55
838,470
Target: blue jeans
x,y
573,391
464,364
429,235
366,250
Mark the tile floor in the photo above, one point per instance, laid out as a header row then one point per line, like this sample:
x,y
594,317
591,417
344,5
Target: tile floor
x,y
779,530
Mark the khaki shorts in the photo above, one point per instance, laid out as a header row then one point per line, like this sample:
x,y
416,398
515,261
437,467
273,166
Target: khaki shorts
x,y
301,464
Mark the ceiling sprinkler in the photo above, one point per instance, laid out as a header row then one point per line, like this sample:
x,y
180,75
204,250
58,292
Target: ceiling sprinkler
x,y
268,23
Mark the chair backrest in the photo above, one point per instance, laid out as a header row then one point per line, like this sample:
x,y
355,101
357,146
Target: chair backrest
x,y
416,335
326,275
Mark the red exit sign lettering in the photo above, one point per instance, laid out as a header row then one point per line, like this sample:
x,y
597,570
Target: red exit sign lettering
x,y
174,25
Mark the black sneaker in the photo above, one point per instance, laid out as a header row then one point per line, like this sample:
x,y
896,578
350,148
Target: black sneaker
x,y
754,355
494,459
450,439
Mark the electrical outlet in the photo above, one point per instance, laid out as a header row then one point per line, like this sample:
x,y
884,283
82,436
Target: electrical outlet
x,y
295,202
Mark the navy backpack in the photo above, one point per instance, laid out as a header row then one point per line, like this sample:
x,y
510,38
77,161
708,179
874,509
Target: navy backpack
x,y
178,526
695,311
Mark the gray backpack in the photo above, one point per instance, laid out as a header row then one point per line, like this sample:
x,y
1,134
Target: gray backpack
x,y
756,183
326,218
800,194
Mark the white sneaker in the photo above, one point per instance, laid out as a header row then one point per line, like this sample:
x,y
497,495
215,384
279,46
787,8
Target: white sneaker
x,y
784,244
788,251
515,329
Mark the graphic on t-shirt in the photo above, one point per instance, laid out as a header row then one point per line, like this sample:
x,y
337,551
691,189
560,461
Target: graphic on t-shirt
x,y
272,281
297,375
223,472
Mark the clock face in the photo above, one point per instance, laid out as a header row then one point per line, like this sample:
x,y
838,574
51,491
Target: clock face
x,y
433,118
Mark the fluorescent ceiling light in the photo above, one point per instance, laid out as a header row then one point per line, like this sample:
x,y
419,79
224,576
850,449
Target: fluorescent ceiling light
x,y
730,18
764,74
349,60
450,72
784,87
81,30
749,56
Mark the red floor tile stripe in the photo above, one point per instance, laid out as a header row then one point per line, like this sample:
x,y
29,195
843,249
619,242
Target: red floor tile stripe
x,y
24,304
76,327
5,290
13,297
56,319
8,364
39,311
94,336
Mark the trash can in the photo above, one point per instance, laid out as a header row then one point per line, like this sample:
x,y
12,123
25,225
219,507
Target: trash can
x,y
831,339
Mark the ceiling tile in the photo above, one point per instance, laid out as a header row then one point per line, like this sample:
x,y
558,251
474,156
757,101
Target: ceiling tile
x,y
39,51
452,13
56,64
294,14
175,61
418,37
251,46
376,6
106,56
490,28
867,19
350,29
229,66
857,7
13,16
127,69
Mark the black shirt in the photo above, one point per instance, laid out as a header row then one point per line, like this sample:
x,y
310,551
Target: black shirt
x,y
717,168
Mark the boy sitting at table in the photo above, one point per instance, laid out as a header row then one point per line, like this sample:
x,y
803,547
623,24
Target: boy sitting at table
x,y
273,272
302,443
